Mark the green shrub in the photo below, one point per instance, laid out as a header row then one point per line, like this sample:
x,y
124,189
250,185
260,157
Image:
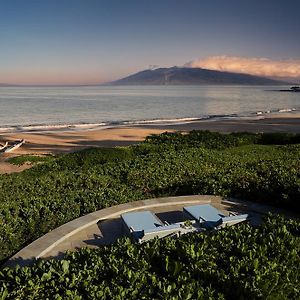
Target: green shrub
x,y
50,194
239,262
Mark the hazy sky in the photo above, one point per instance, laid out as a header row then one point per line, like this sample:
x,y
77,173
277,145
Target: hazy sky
x,y
93,41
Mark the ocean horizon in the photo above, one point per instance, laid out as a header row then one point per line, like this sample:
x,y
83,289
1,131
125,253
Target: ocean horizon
x,y
78,107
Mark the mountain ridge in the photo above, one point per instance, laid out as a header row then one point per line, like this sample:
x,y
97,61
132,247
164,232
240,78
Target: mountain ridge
x,y
193,76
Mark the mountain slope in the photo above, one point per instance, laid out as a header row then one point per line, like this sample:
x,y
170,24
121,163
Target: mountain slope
x,y
192,76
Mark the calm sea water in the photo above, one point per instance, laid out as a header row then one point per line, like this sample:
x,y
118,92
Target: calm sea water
x,y
39,107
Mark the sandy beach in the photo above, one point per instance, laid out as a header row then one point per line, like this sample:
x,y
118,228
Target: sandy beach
x,y
54,142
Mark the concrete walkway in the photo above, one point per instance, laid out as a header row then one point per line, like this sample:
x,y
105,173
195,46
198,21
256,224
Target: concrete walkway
x,y
104,226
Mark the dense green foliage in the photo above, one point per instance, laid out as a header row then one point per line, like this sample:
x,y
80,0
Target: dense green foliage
x,y
240,262
32,159
240,165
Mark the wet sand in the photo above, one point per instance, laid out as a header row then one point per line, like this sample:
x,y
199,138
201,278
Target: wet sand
x,y
68,141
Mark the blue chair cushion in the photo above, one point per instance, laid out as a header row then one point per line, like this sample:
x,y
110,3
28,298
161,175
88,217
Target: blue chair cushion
x,y
141,220
204,212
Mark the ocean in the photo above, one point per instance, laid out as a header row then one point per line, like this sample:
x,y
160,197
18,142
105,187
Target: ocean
x,y
48,108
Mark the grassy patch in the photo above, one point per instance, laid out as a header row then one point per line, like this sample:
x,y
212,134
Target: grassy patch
x,y
32,159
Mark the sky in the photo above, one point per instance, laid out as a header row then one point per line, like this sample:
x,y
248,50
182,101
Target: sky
x,y
95,41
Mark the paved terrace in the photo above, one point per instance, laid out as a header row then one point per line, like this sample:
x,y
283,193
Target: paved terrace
x,y
104,226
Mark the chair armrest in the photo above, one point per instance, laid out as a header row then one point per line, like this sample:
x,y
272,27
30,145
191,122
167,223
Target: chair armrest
x,y
231,213
236,218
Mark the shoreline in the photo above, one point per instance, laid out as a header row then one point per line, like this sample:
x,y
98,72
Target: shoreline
x,y
74,127
65,141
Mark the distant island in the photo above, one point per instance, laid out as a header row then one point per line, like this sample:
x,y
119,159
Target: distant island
x,y
193,76
177,76
292,89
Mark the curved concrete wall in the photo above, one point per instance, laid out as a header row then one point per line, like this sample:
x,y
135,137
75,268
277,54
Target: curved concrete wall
x,y
40,247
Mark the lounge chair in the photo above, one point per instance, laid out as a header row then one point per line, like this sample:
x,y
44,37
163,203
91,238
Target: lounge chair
x,y
209,217
143,226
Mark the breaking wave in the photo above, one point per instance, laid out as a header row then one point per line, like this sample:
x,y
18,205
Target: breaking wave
x,y
149,122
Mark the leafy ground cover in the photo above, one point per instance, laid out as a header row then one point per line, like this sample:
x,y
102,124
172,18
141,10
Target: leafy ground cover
x,y
240,262
257,167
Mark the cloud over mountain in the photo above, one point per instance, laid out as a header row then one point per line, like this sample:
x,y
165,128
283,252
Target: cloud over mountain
x,y
289,68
